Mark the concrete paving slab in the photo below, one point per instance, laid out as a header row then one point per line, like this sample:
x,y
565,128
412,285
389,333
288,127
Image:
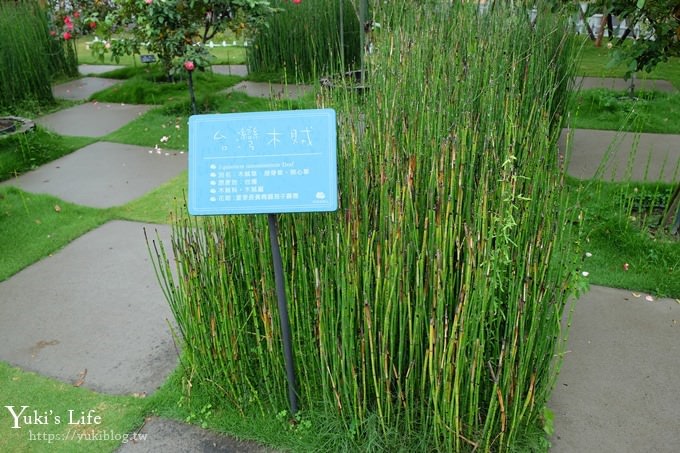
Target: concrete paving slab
x,y
270,90
621,156
586,83
87,69
92,119
617,390
103,174
170,436
240,70
81,89
93,308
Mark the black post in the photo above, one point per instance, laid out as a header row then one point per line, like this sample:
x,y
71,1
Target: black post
x,y
191,93
283,311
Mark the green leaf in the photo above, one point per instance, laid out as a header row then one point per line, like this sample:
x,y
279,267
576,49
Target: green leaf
x,y
641,4
548,421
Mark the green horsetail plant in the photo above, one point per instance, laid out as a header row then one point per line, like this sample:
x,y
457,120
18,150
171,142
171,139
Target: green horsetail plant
x,y
308,38
23,58
429,306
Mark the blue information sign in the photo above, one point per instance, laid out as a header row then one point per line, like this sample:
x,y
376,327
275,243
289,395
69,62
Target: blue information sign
x,y
263,162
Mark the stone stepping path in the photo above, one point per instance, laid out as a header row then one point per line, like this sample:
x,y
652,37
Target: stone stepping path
x,y
96,306
638,157
586,83
103,174
240,70
87,69
270,90
82,89
92,119
617,389
171,436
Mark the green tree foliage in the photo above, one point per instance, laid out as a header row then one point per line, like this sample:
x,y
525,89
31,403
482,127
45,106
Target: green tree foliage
x,y
660,22
174,29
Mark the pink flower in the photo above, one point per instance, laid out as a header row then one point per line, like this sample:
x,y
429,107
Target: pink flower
x,y
189,65
297,1
93,25
148,2
66,35
76,14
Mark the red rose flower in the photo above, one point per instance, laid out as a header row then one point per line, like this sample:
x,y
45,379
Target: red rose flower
x,y
189,65
66,35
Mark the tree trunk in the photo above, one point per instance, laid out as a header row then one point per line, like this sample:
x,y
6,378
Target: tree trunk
x,y
671,219
586,23
600,32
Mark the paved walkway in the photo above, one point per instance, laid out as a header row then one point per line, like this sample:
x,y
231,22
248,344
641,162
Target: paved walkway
x,y
615,392
103,174
83,88
270,90
92,119
621,156
622,85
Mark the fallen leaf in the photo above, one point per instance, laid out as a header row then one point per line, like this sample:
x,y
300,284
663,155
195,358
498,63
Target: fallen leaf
x,y
139,394
635,294
81,378
37,221
57,208
649,298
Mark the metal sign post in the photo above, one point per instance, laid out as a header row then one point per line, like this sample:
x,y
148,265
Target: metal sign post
x,y
265,163
283,312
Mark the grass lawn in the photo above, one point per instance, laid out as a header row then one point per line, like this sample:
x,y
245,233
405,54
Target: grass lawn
x,y
625,247
21,153
34,226
648,111
232,54
615,110
120,415
595,62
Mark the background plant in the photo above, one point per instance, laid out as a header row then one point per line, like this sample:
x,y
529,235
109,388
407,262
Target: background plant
x,y
293,40
29,58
